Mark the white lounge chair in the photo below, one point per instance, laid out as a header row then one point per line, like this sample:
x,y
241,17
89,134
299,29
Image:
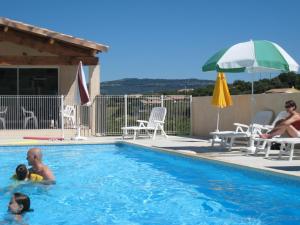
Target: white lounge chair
x,y
29,115
69,115
155,123
228,138
281,115
287,146
262,143
3,111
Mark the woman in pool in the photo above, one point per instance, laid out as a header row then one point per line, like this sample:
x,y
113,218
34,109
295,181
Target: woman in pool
x,y
289,125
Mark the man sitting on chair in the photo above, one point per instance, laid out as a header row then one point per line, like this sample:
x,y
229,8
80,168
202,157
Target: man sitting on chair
x,y
289,125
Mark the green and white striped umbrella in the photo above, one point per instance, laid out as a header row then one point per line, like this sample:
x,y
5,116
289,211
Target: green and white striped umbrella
x,y
252,57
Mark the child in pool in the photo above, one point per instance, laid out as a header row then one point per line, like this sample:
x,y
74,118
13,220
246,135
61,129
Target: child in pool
x,y
22,173
18,205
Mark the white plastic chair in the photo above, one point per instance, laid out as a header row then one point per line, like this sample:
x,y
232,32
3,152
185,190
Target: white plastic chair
x,y
281,115
29,115
3,111
287,146
260,119
69,115
155,123
262,143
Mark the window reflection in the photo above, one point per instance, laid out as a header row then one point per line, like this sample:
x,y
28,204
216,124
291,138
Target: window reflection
x,y
38,81
32,81
8,81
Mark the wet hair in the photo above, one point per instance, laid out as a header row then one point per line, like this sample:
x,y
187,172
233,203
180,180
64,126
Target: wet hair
x,y
290,103
23,200
21,172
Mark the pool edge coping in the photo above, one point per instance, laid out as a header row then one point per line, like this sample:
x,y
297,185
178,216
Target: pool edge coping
x,y
161,149
196,156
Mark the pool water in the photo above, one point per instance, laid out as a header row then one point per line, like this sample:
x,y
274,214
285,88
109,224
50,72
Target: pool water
x,y
125,184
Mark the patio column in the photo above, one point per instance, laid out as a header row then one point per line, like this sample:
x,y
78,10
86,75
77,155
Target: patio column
x,y
94,90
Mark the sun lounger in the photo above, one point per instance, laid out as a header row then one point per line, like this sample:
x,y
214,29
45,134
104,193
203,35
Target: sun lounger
x,y
155,123
262,143
287,146
228,138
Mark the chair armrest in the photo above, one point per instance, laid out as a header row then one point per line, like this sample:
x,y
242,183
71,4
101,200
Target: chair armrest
x,y
256,125
30,113
264,128
142,121
158,121
241,125
268,127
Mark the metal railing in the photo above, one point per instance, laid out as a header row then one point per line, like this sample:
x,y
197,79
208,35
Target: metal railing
x,y
114,112
44,113
30,112
109,113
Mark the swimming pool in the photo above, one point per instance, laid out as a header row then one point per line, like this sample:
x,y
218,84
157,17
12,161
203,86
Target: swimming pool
x,y
125,184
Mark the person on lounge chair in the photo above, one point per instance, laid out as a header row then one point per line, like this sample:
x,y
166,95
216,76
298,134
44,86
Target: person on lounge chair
x,y
289,125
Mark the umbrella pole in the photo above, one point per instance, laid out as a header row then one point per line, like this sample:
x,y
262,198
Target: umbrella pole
x,y
216,139
78,134
218,120
251,148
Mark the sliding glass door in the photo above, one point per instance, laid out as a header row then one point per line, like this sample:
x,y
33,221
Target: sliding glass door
x,y
8,81
28,81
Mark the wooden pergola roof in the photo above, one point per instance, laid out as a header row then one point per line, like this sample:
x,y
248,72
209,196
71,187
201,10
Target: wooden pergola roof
x,y
69,50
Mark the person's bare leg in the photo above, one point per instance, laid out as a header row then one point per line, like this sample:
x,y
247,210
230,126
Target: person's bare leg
x,y
292,131
279,130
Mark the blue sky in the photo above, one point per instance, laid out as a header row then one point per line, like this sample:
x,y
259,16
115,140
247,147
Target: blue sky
x,y
169,39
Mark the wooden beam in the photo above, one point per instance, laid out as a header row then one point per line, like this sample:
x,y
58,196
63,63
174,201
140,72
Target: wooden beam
x,y
47,60
42,32
42,44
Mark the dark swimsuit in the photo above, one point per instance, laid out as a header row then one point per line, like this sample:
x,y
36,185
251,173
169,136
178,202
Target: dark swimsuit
x,y
296,124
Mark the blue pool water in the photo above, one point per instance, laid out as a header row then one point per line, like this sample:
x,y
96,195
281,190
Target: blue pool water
x,y
124,184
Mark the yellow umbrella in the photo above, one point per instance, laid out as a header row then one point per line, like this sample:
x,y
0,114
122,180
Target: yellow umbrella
x,y
221,96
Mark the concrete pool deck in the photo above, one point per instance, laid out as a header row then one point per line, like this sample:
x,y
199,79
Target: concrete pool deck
x,y
189,146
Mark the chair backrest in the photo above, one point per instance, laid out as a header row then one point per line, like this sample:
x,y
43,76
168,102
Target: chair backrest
x,y
69,110
281,115
3,109
157,113
24,111
263,117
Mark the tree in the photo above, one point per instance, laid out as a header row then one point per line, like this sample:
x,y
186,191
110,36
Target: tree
x,y
283,80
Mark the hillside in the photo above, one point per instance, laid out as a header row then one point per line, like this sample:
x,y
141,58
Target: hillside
x,y
149,86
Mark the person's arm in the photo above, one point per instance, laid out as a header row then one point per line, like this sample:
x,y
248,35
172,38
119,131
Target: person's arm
x,y
291,119
279,122
48,176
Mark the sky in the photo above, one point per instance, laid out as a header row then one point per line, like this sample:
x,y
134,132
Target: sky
x,y
168,39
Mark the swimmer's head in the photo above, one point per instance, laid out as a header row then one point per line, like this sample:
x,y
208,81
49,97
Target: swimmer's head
x,y
21,172
19,203
34,155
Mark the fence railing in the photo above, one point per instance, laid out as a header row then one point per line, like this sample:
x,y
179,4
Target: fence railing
x,y
30,112
114,112
109,113
43,113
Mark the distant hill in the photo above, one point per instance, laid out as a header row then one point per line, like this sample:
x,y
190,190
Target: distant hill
x,y
149,86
